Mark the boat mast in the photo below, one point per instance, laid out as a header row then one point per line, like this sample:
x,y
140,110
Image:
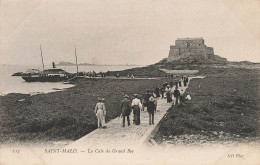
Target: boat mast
x,y
42,57
76,61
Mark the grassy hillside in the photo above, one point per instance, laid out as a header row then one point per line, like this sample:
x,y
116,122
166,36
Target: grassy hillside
x,y
149,71
225,103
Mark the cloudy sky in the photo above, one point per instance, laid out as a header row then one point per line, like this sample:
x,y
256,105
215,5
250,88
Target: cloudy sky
x,y
124,31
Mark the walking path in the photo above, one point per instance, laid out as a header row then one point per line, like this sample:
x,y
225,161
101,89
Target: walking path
x,y
112,145
116,135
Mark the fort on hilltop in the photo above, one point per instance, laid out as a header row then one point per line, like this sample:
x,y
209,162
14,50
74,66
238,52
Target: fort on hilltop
x,y
189,46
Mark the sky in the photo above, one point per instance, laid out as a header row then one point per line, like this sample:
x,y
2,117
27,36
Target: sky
x,y
124,31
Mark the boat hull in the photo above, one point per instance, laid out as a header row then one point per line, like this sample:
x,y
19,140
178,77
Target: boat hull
x,y
44,78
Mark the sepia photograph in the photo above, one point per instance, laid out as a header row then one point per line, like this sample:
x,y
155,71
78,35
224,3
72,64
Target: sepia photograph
x,y
130,82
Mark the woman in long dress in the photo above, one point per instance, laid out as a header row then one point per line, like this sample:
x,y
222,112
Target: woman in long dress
x,y
168,94
100,111
136,106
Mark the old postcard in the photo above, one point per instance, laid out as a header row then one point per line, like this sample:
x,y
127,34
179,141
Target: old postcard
x,y
130,82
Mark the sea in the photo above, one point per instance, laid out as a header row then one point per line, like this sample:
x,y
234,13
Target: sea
x,y
15,84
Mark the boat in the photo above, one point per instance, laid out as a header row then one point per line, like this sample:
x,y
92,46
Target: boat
x,y
48,75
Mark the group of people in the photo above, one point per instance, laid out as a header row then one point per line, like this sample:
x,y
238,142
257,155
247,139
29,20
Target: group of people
x,y
128,75
91,74
127,106
174,92
136,105
149,102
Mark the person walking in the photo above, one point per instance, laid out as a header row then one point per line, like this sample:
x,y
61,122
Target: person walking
x,y
176,84
165,84
154,100
157,91
176,94
136,106
125,107
146,98
180,84
181,95
162,91
151,107
185,81
168,94
153,93
100,111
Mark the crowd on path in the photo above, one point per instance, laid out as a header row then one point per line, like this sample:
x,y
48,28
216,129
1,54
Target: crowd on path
x,y
172,92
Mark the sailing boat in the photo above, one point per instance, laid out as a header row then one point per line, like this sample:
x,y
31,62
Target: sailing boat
x,y
47,75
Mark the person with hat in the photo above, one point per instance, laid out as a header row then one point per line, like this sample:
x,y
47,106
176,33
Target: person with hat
x,y
125,107
136,106
165,84
151,108
100,111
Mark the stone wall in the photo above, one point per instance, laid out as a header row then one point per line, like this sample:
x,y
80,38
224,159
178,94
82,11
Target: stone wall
x,y
193,46
189,42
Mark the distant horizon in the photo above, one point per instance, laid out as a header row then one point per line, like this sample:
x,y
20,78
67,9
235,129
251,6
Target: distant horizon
x,y
57,62
75,64
119,32
86,63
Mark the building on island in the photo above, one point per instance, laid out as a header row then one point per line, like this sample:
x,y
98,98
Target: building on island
x,y
189,46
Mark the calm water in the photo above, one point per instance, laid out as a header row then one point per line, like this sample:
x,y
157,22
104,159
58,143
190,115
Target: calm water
x,y
15,84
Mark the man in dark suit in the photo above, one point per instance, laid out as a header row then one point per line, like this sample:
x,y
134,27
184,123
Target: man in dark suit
x,y
125,106
176,94
151,109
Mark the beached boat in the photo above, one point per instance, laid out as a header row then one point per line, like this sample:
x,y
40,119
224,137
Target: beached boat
x,y
48,75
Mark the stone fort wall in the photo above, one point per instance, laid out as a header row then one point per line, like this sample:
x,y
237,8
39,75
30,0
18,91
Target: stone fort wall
x,y
193,46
